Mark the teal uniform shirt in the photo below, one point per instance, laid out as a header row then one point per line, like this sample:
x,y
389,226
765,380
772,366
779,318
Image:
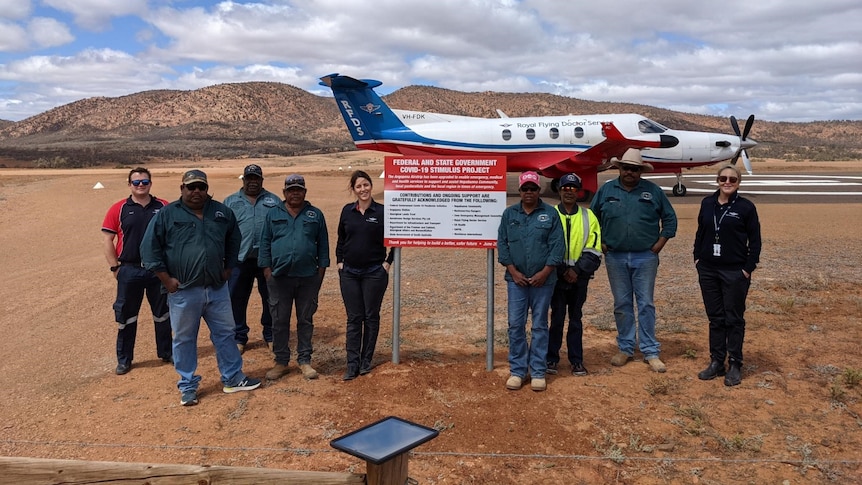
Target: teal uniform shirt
x,y
291,246
531,241
633,220
195,251
251,218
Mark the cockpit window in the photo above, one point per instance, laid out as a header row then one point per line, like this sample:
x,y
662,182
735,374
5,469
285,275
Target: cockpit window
x,y
650,126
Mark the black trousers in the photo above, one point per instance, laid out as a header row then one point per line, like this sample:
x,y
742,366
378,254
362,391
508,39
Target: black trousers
x,y
363,295
240,285
132,283
568,299
724,292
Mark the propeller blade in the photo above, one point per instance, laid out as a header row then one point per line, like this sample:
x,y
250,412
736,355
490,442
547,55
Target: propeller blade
x,y
746,162
747,129
734,124
734,159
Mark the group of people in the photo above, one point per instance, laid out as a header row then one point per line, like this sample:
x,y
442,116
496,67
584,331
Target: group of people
x,y
198,258
550,254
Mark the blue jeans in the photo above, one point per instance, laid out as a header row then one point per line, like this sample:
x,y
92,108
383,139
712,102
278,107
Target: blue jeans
x,y
284,291
632,278
240,285
536,301
132,283
187,307
362,292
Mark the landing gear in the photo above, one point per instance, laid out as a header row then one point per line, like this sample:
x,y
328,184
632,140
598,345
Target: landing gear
x,y
679,189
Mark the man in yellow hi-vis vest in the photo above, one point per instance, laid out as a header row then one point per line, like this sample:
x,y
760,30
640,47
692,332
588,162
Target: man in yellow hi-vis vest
x,y
582,258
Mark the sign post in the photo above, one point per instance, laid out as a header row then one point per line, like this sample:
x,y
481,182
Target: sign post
x,y
444,202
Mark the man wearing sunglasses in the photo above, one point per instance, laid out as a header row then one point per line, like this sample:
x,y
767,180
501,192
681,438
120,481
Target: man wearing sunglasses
x,y
122,230
637,220
530,245
192,245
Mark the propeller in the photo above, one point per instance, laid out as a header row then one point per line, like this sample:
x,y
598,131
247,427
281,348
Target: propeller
x,y
743,142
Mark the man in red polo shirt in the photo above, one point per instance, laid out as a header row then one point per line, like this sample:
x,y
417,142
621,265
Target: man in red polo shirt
x,y
123,230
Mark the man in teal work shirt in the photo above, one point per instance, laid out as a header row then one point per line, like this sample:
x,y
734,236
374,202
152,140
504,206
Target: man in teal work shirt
x,y
637,220
294,255
191,245
250,205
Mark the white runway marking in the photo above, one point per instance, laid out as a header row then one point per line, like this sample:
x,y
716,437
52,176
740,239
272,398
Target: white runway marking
x,y
763,184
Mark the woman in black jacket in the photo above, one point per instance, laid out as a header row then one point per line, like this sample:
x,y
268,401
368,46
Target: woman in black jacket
x,y
726,252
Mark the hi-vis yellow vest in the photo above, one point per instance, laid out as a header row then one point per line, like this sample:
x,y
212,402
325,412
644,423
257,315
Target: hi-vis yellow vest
x,y
582,232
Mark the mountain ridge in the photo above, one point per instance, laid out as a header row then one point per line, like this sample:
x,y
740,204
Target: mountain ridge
x,y
255,119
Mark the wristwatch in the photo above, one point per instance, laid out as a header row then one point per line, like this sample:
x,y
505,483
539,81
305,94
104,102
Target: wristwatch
x,y
115,268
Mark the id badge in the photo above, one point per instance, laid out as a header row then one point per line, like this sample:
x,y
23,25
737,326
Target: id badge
x,y
716,249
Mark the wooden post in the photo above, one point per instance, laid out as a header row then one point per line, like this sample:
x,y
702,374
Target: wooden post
x,y
391,472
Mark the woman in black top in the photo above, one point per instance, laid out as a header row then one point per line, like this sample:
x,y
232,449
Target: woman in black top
x,y
363,271
726,252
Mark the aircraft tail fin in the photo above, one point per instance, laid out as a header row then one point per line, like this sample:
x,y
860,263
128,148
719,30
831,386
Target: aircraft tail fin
x,y
366,115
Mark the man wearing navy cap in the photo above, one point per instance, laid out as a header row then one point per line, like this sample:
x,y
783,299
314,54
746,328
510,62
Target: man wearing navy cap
x,y
294,255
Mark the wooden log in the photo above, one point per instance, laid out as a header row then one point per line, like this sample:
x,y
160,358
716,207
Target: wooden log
x,y
39,471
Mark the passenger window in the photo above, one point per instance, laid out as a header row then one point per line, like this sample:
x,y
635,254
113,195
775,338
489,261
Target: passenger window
x,y
579,132
507,134
554,133
531,133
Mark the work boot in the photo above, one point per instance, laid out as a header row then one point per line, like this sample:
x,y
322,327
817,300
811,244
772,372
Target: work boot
x,y
715,369
277,372
308,372
620,359
538,385
656,365
734,375
514,383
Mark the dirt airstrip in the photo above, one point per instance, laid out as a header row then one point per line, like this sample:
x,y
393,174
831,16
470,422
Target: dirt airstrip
x,y
794,419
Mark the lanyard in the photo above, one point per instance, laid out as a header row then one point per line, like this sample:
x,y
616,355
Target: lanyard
x,y
717,222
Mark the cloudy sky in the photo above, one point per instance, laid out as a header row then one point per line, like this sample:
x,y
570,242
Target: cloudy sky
x,y
783,60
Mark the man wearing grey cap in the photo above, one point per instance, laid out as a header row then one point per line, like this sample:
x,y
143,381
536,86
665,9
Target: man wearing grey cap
x,y
294,255
191,245
250,205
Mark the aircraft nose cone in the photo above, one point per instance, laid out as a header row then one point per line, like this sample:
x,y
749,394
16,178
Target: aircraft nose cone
x,y
749,143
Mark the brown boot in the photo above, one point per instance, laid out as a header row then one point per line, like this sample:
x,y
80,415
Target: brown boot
x,y
308,372
277,372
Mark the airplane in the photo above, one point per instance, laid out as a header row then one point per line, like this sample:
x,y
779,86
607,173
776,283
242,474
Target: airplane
x,y
550,145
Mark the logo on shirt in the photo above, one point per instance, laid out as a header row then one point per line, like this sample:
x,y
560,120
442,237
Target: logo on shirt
x,y
543,218
220,215
372,220
733,214
646,196
311,214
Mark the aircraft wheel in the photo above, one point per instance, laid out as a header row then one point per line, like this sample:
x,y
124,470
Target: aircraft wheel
x,y
679,190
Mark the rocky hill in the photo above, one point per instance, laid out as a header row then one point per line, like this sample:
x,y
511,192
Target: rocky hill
x,y
261,118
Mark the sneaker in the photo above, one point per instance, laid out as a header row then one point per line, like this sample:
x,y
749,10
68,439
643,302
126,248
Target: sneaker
x,y
552,368
579,370
656,365
308,372
620,359
538,385
514,383
122,369
247,384
189,398
241,348
277,372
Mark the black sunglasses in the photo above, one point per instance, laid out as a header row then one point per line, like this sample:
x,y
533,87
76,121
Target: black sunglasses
x,y
529,189
197,186
722,179
631,168
143,182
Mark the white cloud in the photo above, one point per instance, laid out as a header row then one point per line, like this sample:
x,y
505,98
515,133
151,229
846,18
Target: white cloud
x,y
13,37
48,32
14,9
96,14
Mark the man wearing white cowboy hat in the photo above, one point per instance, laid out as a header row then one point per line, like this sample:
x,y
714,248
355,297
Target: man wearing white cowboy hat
x,y
637,220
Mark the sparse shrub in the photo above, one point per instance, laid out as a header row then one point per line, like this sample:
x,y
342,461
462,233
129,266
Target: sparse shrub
x,y
851,377
690,354
836,392
658,385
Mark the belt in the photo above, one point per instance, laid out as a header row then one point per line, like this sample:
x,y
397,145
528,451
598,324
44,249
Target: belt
x,y
137,265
